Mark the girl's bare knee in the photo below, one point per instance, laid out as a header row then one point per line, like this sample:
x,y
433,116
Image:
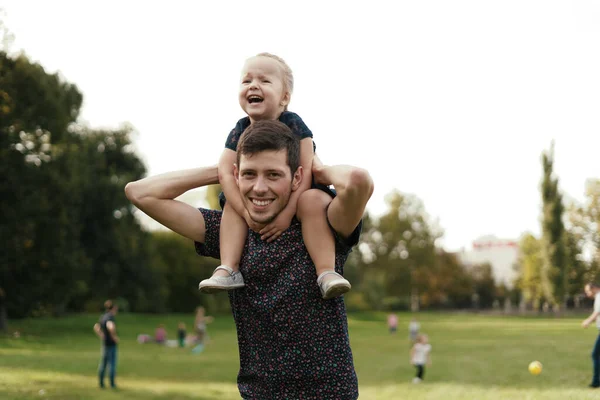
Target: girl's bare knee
x,y
312,201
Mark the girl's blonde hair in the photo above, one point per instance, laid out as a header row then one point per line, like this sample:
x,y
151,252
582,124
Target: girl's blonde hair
x,y
288,76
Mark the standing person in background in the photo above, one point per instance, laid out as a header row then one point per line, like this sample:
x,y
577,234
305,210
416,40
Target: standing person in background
x,y
392,323
106,330
413,330
181,334
200,325
592,290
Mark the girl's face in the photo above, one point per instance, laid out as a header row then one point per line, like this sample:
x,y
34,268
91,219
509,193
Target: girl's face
x,y
262,94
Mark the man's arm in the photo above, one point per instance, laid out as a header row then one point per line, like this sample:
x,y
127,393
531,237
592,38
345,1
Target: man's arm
x,y
98,331
590,319
112,331
354,187
155,196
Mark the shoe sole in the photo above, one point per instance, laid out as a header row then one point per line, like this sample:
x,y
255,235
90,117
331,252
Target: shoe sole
x,y
214,289
336,290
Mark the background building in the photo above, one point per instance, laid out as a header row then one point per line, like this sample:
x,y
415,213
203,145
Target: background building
x,y
501,254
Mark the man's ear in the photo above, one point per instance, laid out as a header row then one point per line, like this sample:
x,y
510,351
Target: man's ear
x,y
236,174
297,178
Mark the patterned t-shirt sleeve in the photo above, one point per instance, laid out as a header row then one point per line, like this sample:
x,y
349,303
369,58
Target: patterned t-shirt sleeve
x,y
295,123
236,132
212,224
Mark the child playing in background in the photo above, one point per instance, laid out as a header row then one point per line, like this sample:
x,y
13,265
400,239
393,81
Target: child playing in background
x,y
413,330
392,323
420,355
265,92
181,334
160,335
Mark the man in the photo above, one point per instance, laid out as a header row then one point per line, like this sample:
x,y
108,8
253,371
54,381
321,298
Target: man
x,y
106,329
592,290
292,343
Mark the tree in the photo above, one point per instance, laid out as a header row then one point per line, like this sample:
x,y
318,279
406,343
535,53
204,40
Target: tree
x,y
556,268
68,230
36,109
530,266
398,252
484,286
583,236
180,269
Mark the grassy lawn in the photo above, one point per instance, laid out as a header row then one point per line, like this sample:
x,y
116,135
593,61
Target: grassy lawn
x,y
474,357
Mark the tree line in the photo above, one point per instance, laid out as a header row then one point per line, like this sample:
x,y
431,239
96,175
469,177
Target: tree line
x,y
71,238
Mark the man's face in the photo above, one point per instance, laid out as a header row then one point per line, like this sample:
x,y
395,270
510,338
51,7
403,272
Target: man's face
x,y
589,292
266,183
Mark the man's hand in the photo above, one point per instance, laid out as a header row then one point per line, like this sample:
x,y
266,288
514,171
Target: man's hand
x,y
317,171
586,323
273,230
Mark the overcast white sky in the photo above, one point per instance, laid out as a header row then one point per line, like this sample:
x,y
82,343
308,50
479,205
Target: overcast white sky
x,y
453,101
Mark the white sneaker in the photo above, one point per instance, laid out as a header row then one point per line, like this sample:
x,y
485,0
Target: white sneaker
x,y
333,287
416,380
235,280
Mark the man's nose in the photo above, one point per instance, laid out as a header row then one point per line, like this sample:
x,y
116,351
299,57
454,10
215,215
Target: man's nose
x,y
260,186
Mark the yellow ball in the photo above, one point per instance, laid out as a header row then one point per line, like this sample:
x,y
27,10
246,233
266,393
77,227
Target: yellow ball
x,y
535,367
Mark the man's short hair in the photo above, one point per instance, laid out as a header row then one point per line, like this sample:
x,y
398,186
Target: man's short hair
x,y
109,305
593,285
270,135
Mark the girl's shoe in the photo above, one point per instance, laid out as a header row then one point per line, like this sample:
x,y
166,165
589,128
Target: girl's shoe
x,y
235,280
333,287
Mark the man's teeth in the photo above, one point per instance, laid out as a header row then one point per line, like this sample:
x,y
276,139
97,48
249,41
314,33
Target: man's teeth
x,y
261,202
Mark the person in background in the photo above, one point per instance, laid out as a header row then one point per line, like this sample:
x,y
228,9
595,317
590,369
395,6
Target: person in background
x,y
106,330
160,335
413,330
181,334
592,290
420,355
392,321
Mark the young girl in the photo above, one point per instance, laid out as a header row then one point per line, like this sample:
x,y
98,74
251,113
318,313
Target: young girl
x,y
420,354
265,92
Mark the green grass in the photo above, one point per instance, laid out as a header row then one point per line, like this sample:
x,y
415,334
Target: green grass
x,y
474,357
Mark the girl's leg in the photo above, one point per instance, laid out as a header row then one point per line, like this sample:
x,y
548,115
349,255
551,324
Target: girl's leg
x,y
319,241
233,234
420,371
